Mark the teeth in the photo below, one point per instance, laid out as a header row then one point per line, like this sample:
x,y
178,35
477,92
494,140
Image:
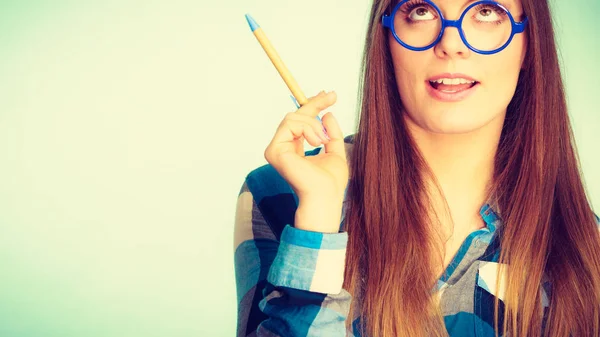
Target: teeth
x,y
453,81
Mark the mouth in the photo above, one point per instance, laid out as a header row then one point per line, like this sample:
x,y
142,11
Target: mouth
x,y
451,88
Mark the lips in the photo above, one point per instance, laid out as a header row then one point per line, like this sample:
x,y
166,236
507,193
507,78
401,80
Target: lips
x,y
452,83
451,87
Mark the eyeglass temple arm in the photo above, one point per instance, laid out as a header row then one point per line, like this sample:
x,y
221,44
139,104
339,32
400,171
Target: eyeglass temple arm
x,y
386,21
519,27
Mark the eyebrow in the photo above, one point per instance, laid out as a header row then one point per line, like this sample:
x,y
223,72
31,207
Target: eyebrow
x,y
506,3
509,4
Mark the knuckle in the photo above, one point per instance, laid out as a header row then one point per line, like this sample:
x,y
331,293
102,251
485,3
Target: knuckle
x,y
308,109
292,116
268,154
316,124
286,123
307,127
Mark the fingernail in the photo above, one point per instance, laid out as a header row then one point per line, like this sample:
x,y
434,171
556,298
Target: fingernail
x,y
324,131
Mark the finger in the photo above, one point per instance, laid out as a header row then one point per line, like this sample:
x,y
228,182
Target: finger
x,y
286,138
313,122
298,106
311,135
291,130
321,93
336,143
317,104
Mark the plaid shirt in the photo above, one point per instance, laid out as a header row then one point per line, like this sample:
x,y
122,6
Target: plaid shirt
x,y
289,281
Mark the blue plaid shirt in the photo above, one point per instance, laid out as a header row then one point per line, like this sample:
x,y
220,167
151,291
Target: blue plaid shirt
x,y
289,281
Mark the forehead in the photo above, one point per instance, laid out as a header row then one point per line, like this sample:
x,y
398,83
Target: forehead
x,y
509,4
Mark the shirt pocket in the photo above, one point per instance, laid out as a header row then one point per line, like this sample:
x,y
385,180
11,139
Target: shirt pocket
x,y
485,295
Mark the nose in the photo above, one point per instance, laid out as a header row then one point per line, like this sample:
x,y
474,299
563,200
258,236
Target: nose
x,y
451,45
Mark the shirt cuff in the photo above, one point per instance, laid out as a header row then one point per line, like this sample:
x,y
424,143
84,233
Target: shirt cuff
x,y
310,261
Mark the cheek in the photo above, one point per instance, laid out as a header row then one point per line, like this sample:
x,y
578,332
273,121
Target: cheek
x,y
515,53
503,69
409,67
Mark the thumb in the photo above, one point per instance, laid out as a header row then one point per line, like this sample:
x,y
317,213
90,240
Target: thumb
x,y
336,144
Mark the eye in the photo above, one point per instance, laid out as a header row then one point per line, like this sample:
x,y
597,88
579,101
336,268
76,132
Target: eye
x,y
489,14
421,14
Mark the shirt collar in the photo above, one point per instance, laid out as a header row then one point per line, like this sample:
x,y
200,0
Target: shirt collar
x,y
490,216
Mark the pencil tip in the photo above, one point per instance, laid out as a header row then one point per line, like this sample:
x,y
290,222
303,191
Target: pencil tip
x,y
252,23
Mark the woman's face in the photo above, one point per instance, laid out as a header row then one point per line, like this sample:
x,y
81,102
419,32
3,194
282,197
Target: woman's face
x,y
444,110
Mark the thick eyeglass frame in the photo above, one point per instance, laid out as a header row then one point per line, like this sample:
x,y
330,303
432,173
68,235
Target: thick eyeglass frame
x,y
516,27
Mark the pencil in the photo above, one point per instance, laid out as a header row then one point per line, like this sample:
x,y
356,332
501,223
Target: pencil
x,y
277,62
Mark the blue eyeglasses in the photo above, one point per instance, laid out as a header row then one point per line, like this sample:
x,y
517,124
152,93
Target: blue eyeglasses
x,y
485,27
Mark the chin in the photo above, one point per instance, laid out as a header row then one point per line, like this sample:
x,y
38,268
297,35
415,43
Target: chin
x,y
453,129
453,121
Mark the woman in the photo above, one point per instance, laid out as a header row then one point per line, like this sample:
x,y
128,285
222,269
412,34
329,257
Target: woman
x,y
463,209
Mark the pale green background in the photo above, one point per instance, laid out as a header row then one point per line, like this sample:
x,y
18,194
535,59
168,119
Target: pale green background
x,y
126,129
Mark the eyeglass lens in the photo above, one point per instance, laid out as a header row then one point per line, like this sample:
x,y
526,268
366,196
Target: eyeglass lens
x,y
486,27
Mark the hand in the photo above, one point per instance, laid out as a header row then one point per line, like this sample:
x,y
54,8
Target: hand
x,y
317,180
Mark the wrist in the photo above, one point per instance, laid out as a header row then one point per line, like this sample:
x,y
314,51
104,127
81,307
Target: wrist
x,y
318,216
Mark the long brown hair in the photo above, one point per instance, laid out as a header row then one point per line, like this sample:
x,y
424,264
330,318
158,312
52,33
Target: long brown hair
x,y
537,186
